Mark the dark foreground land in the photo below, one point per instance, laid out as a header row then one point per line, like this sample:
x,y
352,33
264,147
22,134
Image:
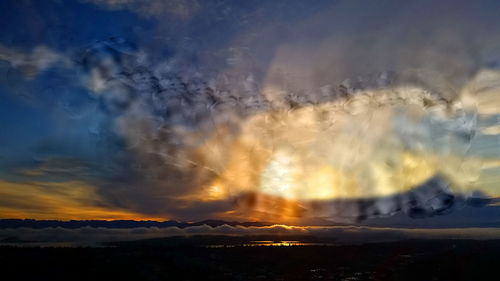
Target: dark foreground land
x,y
156,260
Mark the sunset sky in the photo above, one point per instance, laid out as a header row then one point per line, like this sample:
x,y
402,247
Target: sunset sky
x,y
295,112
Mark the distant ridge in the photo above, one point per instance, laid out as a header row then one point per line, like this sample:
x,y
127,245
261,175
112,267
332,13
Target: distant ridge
x,y
30,223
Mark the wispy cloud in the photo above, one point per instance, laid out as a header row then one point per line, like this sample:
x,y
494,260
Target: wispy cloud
x,y
32,63
182,9
64,200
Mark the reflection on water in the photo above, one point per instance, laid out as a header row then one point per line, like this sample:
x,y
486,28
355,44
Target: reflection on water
x,y
284,243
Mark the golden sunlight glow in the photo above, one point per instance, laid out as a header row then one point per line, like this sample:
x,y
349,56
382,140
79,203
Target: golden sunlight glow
x,y
345,149
324,152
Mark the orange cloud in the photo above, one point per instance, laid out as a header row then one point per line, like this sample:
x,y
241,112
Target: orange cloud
x,y
69,200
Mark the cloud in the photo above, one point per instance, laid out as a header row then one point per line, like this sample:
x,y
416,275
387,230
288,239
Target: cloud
x,y
241,111
182,9
60,166
64,200
31,64
201,140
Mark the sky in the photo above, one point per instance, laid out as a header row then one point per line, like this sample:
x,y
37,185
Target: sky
x,y
382,113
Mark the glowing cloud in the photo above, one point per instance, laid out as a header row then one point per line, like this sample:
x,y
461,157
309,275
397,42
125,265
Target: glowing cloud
x,y
396,146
